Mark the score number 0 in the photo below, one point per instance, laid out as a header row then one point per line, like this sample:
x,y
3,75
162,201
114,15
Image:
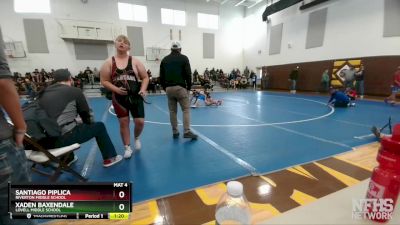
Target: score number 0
x,y
121,195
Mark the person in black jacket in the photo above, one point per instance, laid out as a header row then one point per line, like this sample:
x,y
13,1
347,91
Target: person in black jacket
x,y
176,80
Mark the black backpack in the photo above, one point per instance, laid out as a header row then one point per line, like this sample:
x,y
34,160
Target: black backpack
x,y
39,125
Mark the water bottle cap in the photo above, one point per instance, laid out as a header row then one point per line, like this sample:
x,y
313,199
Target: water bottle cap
x,y
235,188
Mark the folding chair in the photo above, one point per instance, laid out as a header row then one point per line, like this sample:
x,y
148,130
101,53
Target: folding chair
x,y
378,131
51,158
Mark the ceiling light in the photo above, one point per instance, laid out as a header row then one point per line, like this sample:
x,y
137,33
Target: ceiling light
x,y
223,2
240,2
255,4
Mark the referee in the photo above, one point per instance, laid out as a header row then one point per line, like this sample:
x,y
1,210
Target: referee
x,y
176,80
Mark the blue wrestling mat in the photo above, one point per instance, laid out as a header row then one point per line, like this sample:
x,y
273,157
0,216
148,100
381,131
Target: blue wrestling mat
x,y
251,133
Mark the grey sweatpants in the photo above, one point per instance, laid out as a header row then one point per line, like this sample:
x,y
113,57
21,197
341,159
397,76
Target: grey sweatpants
x,y
178,94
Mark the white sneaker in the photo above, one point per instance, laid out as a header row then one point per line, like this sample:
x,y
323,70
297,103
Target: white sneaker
x,y
112,161
128,152
138,144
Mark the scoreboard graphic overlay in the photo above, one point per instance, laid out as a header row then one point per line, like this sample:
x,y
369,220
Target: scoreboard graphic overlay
x,y
70,201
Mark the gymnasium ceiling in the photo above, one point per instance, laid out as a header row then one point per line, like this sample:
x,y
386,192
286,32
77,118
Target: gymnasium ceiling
x,y
243,3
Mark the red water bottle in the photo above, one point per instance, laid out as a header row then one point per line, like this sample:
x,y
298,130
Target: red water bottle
x,y
384,186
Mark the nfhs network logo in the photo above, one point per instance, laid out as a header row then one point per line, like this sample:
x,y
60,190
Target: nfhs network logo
x,y
373,209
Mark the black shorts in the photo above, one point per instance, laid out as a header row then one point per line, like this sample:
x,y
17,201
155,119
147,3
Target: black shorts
x,y
122,106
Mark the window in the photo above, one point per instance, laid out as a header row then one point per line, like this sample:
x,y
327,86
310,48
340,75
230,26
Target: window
x,y
207,21
29,6
173,17
132,12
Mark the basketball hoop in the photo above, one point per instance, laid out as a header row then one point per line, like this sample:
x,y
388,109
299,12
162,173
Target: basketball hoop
x,y
14,49
156,54
8,52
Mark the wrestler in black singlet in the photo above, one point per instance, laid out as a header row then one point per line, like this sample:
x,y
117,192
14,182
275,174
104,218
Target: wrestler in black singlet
x,y
133,102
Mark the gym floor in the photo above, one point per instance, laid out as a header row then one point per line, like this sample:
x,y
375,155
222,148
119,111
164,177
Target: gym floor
x,y
286,149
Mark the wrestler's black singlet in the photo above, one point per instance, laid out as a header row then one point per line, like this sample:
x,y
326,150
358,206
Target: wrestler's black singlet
x,y
132,102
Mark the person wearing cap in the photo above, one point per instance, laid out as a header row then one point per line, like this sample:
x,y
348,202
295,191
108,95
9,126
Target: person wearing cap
x,y
176,80
13,163
120,74
64,102
391,99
